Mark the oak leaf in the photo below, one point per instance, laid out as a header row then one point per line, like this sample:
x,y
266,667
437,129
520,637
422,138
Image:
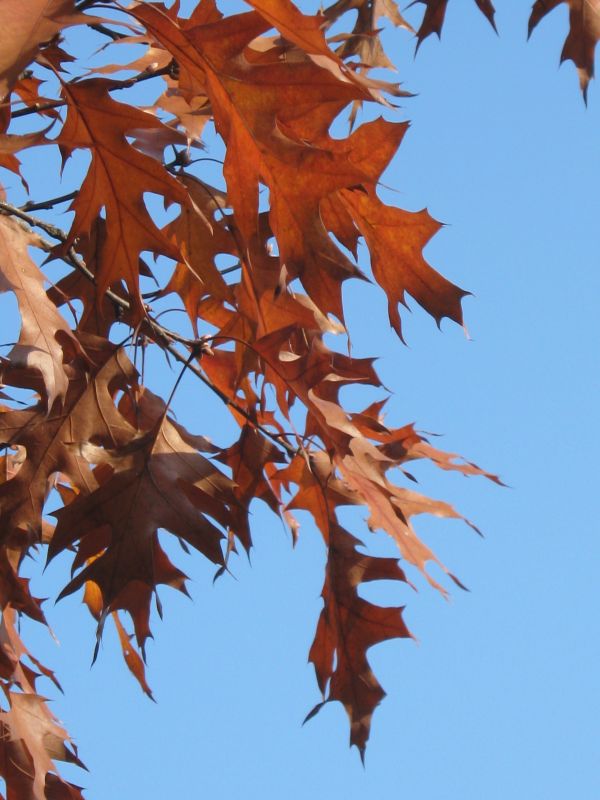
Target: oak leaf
x,y
99,313
435,11
157,480
199,238
348,626
45,338
396,239
88,414
134,661
253,105
364,41
11,143
117,179
583,36
298,200
30,740
247,459
25,27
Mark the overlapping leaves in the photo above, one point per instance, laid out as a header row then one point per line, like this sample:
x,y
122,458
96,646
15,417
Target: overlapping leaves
x,y
294,200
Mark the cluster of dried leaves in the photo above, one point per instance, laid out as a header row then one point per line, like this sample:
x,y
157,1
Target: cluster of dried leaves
x,y
273,80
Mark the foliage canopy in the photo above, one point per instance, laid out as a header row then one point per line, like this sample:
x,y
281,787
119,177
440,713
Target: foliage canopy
x,y
295,200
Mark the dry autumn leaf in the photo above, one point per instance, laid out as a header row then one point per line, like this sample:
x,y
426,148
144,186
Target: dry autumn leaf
x,y
583,36
96,122
25,27
276,209
45,340
435,12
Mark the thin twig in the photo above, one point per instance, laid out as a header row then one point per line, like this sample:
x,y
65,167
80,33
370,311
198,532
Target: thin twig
x,y
47,204
51,230
146,75
114,35
275,437
233,268
37,108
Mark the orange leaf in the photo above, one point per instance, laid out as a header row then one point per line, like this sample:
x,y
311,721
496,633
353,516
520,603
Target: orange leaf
x,y
117,179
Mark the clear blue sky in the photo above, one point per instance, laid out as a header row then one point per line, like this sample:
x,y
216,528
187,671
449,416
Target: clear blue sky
x,y
500,697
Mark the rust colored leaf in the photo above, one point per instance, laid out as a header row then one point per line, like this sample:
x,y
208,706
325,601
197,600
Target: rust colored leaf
x,y
247,459
99,313
364,41
11,143
117,179
253,104
132,658
304,31
200,236
348,627
291,199
396,239
28,90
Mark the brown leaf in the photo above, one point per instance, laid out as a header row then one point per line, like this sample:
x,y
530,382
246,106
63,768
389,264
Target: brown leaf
x,y
348,626
99,312
158,480
253,105
435,11
26,26
247,459
44,333
583,36
300,198
306,32
200,238
11,143
14,590
88,414
30,739
364,41
28,89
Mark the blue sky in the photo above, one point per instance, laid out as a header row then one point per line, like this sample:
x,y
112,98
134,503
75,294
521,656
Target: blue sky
x,y
500,696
